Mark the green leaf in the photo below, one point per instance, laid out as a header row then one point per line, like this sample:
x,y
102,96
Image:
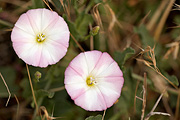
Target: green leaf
x,y
121,57
98,117
38,4
147,39
82,23
43,93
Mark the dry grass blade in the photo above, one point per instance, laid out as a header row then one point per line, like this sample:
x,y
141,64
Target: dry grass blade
x,y
91,39
113,20
46,2
30,81
80,47
57,89
152,23
163,20
177,107
135,95
17,114
154,107
7,89
103,114
46,115
151,57
145,17
96,16
144,96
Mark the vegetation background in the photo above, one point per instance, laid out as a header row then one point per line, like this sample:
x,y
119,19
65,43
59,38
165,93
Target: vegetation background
x,y
142,36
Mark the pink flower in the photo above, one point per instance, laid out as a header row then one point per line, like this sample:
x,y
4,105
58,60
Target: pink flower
x,y
40,37
94,80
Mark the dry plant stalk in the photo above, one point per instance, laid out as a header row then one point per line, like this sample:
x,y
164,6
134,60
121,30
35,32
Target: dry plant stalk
x,y
30,81
152,64
144,96
46,115
177,106
174,49
91,39
17,114
163,20
57,89
152,23
7,89
66,8
46,2
103,114
135,95
80,47
154,107
97,17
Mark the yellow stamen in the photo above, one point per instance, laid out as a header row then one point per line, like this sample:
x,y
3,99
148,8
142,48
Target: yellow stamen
x,y
40,38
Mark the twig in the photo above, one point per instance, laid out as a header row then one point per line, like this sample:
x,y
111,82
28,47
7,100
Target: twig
x,y
80,47
103,114
47,5
177,107
135,95
154,107
17,114
91,39
144,96
30,81
57,89
139,98
7,89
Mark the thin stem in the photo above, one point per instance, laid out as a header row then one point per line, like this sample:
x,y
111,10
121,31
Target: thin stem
x,y
80,47
7,89
30,81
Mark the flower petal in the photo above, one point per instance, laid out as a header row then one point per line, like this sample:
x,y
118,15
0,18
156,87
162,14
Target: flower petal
x,y
110,88
76,89
102,65
112,70
24,24
91,100
92,58
37,22
79,64
19,35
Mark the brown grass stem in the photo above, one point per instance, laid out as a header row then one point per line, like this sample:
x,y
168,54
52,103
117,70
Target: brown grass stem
x,y
30,81
46,2
57,89
7,89
177,106
163,20
17,113
80,47
103,114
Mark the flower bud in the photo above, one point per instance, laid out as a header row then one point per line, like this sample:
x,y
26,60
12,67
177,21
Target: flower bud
x,y
37,76
94,31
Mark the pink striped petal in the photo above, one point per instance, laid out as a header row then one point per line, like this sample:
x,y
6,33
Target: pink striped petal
x,y
36,22
107,77
91,100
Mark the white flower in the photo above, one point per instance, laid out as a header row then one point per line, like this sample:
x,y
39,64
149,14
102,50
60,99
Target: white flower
x,y
94,80
40,37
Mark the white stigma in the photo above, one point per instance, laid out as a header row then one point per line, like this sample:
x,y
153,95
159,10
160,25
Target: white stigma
x,y
41,37
93,80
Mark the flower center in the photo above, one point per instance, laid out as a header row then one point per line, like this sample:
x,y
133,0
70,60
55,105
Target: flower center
x,y
40,37
91,81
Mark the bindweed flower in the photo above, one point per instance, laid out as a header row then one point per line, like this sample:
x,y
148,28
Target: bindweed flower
x,y
40,37
94,80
